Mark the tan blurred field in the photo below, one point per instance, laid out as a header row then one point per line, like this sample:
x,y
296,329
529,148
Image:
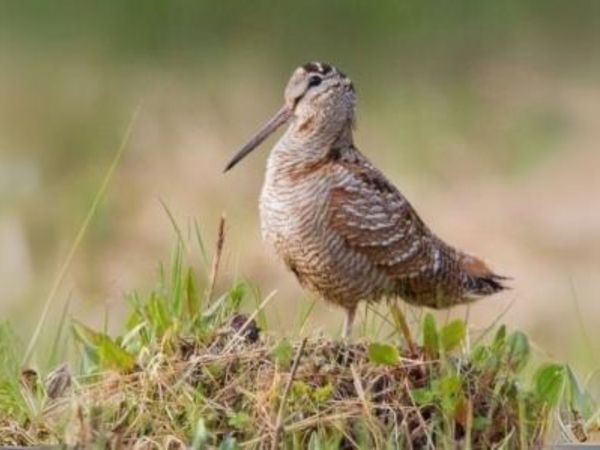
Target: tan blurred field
x,y
491,130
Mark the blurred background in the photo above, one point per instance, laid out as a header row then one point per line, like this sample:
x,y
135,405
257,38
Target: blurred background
x,y
485,114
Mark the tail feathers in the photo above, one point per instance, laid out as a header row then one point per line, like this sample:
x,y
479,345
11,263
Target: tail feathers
x,y
486,285
480,280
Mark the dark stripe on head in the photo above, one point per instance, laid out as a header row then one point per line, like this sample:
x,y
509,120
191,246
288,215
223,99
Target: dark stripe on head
x,y
317,67
323,69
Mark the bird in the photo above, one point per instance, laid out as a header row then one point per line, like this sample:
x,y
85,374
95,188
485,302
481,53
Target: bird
x,y
343,229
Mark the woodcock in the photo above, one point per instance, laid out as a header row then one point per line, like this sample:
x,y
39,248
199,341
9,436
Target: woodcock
x,y
337,222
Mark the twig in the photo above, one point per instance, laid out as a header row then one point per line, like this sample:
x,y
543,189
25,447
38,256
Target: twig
x,y
216,259
360,392
400,320
286,391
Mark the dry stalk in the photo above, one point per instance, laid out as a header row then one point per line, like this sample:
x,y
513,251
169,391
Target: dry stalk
x,y
400,320
216,259
286,391
359,389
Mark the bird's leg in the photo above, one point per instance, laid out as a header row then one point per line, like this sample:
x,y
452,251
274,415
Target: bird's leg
x,y
348,321
346,335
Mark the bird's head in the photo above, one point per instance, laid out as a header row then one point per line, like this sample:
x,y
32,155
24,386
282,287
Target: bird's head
x,y
319,89
316,93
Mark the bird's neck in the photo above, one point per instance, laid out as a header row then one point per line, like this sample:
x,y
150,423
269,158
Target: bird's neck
x,y
308,140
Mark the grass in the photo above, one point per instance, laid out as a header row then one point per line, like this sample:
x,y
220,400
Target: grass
x,y
196,367
79,237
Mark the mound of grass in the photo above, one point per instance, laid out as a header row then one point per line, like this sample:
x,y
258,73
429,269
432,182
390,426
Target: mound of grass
x,y
193,371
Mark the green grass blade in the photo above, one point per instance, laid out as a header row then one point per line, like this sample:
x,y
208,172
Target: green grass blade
x,y
79,237
173,222
56,348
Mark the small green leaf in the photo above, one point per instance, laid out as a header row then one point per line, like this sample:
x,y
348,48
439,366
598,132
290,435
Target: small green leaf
x,y
480,355
114,356
314,443
99,346
229,443
500,339
423,396
480,423
323,394
201,436
157,313
237,294
300,393
239,420
449,388
453,334
518,351
383,354
283,353
450,385
361,431
192,298
549,383
580,400
431,339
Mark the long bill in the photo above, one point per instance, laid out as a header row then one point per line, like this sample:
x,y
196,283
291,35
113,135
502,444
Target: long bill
x,y
280,118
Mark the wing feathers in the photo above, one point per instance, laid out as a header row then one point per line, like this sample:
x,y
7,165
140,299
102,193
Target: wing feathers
x,y
377,221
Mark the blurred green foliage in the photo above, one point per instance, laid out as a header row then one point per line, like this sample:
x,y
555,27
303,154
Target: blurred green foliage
x,y
442,34
434,94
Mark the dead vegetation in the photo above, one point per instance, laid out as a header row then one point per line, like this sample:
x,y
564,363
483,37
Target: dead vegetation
x,y
234,389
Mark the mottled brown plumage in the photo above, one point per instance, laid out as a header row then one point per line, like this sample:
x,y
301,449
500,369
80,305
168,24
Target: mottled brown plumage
x,y
340,226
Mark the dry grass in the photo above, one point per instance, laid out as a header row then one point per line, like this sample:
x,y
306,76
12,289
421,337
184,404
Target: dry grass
x,y
212,391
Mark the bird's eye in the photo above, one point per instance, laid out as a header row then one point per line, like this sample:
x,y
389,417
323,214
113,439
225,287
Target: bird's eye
x,y
314,81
